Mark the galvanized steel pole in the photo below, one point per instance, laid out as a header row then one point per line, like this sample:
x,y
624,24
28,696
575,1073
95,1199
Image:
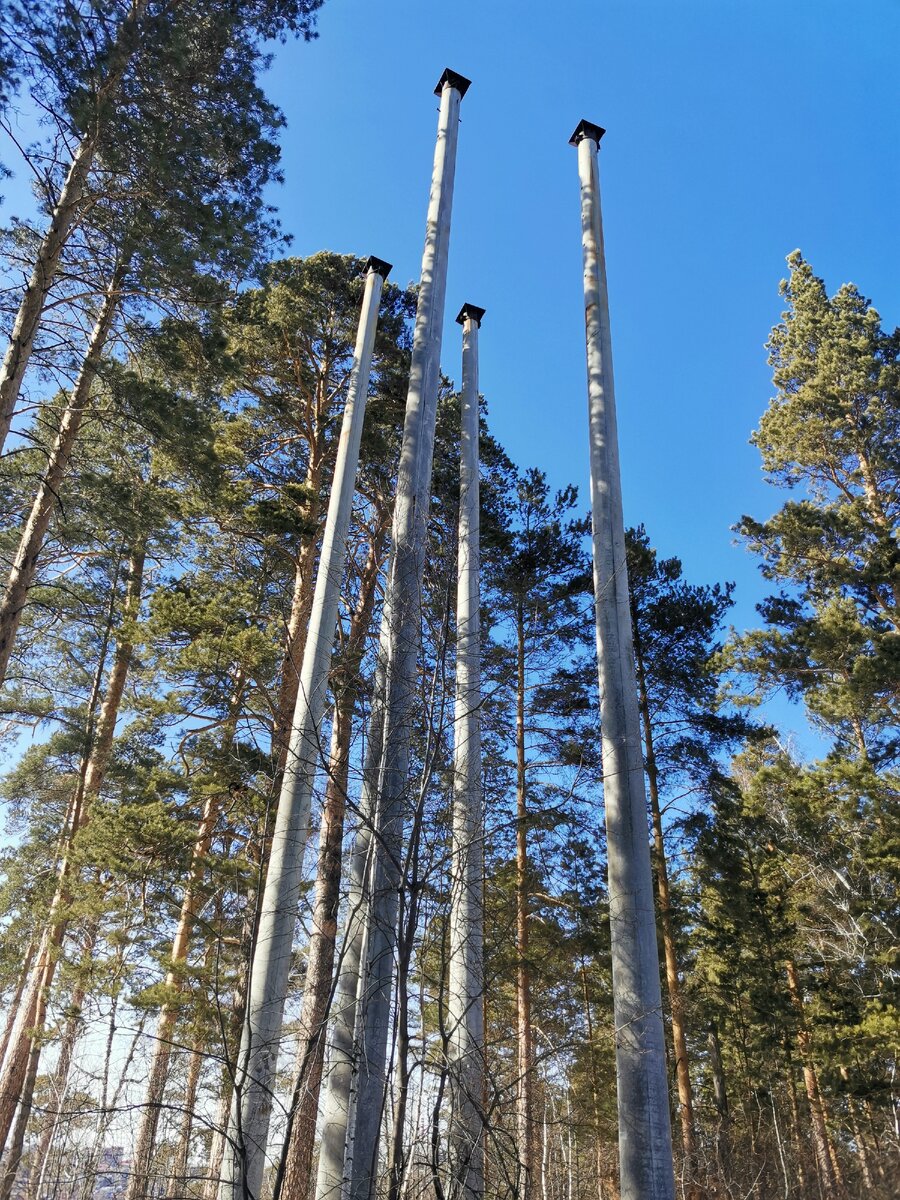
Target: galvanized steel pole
x,y
645,1136
399,646
466,968
261,1038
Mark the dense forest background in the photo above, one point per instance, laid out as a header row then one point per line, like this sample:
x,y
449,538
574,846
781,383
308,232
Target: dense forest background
x,y
170,403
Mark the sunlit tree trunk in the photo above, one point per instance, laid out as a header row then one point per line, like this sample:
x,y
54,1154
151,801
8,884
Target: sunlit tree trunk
x,y
192,1083
31,541
69,207
824,1151
13,1157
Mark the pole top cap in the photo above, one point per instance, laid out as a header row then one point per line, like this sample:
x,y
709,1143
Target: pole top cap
x,y
454,80
378,265
470,312
586,129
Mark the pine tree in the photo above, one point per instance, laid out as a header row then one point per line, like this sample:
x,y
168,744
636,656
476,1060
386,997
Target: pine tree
x,y
540,587
113,105
675,627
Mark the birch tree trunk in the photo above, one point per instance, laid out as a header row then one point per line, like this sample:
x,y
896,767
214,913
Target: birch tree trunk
x,y
71,202
24,566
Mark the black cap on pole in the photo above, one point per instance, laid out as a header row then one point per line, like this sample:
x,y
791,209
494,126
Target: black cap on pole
x,y
378,265
586,129
470,312
455,80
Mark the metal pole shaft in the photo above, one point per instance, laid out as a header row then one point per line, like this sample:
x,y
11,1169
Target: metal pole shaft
x,y
400,638
332,1177
645,1136
466,968
270,968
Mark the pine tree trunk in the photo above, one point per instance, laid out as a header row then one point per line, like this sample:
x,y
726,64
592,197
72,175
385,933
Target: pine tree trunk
x,y
220,1133
295,644
824,1151
183,1151
720,1102
318,987
159,1068
304,583
60,1088
874,1139
673,981
525,1051
33,1006
16,999
181,943
862,1148
68,208
595,1087
13,1158
24,566
796,1131
231,1040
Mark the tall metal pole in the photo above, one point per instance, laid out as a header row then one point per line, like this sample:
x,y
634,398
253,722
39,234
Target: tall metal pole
x,y
466,973
399,646
645,1135
270,968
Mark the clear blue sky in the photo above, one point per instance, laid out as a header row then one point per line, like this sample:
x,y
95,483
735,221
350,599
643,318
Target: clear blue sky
x,y
736,133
